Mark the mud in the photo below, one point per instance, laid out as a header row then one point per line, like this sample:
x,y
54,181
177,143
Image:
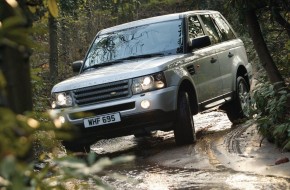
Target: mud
x,y
145,176
220,159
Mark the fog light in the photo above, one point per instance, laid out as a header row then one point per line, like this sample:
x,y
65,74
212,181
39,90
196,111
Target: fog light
x,y
145,104
61,119
53,105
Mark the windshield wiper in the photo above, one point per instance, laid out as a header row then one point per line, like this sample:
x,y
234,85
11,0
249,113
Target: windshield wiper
x,y
123,59
143,56
104,64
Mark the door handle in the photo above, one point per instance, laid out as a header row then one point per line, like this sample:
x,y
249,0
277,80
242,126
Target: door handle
x,y
213,60
230,55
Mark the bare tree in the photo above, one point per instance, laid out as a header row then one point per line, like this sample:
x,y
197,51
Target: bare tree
x,y
53,47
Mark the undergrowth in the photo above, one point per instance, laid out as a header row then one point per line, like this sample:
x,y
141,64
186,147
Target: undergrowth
x,y
270,110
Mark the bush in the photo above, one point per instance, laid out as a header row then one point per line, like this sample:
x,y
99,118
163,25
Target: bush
x,y
18,159
270,111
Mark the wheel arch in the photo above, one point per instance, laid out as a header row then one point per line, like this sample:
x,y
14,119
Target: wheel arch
x,y
188,87
242,71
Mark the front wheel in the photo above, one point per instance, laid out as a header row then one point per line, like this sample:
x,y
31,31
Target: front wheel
x,y
184,131
237,109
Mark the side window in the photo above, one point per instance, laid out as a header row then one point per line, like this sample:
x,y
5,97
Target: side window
x,y
211,29
194,27
225,30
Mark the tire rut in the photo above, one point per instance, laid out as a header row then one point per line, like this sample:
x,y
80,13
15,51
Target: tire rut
x,y
232,139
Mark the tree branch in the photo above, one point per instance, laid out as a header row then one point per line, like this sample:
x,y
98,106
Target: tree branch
x,y
278,17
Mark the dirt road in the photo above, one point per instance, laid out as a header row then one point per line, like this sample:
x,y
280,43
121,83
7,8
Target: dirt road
x,y
224,157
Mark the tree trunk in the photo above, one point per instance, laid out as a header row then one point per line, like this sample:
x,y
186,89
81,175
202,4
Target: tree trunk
x,y
64,40
88,8
263,53
53,48
262,49
16,69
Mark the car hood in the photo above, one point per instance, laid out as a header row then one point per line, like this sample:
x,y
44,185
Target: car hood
x,y
120,71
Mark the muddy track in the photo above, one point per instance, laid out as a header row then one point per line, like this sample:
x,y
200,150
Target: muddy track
x,y
225,148
217,160
231,140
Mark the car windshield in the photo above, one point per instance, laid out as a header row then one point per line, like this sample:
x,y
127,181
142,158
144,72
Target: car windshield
x,y
162,38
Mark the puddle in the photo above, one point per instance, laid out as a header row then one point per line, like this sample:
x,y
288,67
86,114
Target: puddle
x,y
210,121
178,167
152,177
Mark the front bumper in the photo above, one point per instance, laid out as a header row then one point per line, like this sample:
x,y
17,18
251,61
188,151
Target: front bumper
x,y
159,116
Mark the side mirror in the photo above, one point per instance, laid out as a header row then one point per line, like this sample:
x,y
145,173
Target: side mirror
x,y
200,42
76,65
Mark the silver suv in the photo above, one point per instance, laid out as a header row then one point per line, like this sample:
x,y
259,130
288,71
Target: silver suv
x,y
155,74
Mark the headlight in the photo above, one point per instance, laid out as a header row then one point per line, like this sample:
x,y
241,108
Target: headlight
x,y
148,83
61,99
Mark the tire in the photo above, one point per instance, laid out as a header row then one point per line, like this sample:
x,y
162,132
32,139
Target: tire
x,y
236,109
184,131
76,147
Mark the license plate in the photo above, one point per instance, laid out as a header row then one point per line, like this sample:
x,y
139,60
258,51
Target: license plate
x,y
102,120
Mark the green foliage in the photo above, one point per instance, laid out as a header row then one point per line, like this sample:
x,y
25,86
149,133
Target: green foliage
x,y
286,59
26,140
52,7
275,34
72,167
269,103
18,128
40,91
12,33
19,135
70,6
244,5
16,137
276,38
270,110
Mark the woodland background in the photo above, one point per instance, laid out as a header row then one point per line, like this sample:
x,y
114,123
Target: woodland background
x,y
263,26
40,38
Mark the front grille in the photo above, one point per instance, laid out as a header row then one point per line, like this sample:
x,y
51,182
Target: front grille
x,y
101,93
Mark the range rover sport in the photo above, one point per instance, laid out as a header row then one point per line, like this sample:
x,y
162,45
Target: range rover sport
x,y
155,74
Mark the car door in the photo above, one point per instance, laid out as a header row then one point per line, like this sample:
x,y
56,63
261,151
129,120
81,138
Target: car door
x,y
207,74
227,52
210,81
204,63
